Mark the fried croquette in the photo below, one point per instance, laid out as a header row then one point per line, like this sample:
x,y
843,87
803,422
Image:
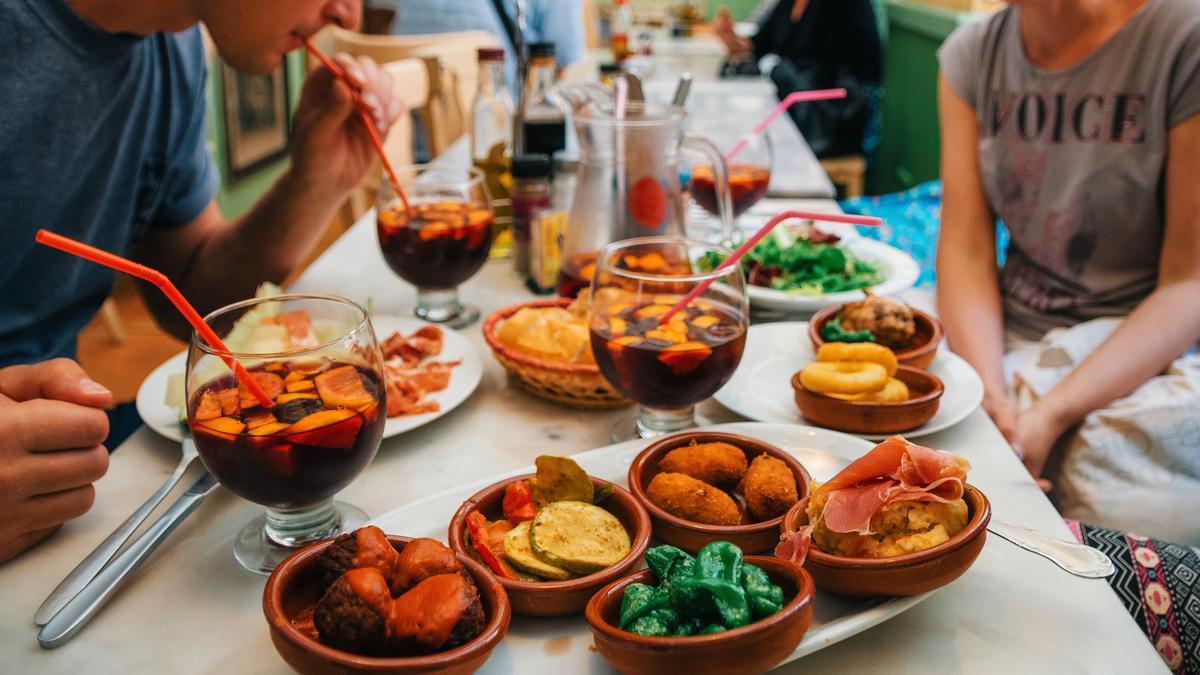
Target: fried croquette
x,y
714,463
691,499
769,487
890,321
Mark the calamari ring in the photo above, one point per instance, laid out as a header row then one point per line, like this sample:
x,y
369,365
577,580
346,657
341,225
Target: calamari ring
x,y
895,391
843,377
859,351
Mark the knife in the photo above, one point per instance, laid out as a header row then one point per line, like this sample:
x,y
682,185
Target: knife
x,y
81,608
90,566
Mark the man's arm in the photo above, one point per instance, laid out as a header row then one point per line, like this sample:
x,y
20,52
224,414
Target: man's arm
x,y
215,262
968,288
1162,327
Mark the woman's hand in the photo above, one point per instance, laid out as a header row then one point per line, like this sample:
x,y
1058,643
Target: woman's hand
x,y
1037,431
332,150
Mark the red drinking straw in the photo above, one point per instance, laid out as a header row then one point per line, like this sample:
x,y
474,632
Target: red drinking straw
x,y
752,241
359,105
794,97
164,284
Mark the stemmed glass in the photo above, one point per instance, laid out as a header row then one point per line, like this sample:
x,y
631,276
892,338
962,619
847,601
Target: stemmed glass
x,y
666,369
322,431
441,240
749,170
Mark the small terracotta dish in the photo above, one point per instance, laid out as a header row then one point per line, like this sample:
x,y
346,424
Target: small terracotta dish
x,y
909,574
557,598
874,417
919,353
759,537
754,648
292,588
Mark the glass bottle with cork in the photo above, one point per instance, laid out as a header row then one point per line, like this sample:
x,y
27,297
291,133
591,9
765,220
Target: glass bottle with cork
x,y
492,141
544,117
622,26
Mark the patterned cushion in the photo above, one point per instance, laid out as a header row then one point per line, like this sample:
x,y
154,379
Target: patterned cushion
x,y
911,220
1159,583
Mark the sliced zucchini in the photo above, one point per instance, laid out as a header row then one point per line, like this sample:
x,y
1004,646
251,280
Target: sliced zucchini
x,y
578,537
519,552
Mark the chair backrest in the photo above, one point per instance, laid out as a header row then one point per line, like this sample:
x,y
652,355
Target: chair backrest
x,y
452,72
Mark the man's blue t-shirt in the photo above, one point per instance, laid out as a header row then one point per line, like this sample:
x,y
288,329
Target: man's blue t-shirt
x,y
102,138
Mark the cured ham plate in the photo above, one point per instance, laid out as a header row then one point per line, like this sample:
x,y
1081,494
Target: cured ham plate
x,y
564,645
464,378
761,388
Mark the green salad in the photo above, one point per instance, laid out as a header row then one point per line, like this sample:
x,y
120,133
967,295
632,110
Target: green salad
x,y
811,263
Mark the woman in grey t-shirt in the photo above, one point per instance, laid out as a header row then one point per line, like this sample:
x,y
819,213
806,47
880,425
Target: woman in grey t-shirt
x,y
1077,123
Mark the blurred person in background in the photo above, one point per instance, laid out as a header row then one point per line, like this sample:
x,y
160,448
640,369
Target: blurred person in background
x,y
815,44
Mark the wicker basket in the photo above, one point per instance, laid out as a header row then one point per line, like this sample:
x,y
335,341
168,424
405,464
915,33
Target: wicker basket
x,y
577,385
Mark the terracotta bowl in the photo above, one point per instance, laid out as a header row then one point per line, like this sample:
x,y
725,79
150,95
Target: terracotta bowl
x,y
755,648
292,588
872,417
920,352
690,536
909,574
557,598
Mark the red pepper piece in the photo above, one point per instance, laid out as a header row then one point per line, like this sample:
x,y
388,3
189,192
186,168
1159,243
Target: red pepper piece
x,y
477,526
518,502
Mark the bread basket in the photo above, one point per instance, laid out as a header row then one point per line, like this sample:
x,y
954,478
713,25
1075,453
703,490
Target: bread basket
x,y
579,385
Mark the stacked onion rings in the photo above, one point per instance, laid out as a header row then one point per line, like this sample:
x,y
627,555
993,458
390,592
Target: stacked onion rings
x,y
855,371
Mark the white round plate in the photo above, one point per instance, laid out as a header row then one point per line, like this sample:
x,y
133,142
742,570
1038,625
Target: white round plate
x,y
761,388
464,378
900,272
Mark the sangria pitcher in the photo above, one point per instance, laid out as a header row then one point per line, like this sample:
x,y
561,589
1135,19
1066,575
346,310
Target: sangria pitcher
x,y
628,183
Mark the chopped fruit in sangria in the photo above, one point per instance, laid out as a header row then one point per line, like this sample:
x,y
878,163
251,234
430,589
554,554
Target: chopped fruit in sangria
x,y
324,427
439,246
673,365
747,184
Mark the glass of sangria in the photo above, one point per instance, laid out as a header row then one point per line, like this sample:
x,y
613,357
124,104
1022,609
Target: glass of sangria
x,y
665,367
749,170
441,240
317,360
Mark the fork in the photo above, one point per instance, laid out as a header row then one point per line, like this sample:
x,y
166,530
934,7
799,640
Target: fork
x,y
86,570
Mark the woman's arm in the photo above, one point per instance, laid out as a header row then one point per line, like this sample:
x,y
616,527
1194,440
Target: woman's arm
x,y
968,290
1163,326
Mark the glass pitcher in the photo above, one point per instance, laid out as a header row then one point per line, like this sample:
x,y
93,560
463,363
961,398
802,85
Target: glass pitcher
x,y
628,183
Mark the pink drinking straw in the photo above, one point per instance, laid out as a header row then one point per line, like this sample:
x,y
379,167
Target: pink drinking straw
x,y
116,262
752,241
794,97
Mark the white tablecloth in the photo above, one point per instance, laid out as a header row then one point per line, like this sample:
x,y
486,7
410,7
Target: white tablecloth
x,y
193,609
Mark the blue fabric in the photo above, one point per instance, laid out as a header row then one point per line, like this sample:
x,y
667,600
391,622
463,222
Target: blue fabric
x,y
911,220
557,21
102,138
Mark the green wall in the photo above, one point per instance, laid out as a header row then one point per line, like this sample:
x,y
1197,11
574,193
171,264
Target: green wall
x,y
236,196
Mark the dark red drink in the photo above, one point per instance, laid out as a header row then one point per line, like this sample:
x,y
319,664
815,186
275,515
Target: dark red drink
x,y
322,431
442,245
672,366
576,274
747,184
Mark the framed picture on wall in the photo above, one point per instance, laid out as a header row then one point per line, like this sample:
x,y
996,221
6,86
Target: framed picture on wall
x,y
257,123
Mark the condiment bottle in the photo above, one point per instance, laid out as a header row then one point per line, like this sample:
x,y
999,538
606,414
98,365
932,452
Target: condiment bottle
x,y
545,114
530,194
492,142
548,229
622,26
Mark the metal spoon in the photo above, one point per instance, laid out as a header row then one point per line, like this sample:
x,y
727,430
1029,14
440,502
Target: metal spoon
x,y
1080,560
86,570
682,89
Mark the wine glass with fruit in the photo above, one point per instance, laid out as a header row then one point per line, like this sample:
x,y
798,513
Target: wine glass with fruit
x,y
665,361
439,238
317,361
748,159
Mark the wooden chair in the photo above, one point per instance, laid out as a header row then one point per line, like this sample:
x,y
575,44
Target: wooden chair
x,y
452,71
848,172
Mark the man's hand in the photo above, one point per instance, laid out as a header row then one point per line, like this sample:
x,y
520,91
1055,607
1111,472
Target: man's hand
x,y
51,429
332,151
